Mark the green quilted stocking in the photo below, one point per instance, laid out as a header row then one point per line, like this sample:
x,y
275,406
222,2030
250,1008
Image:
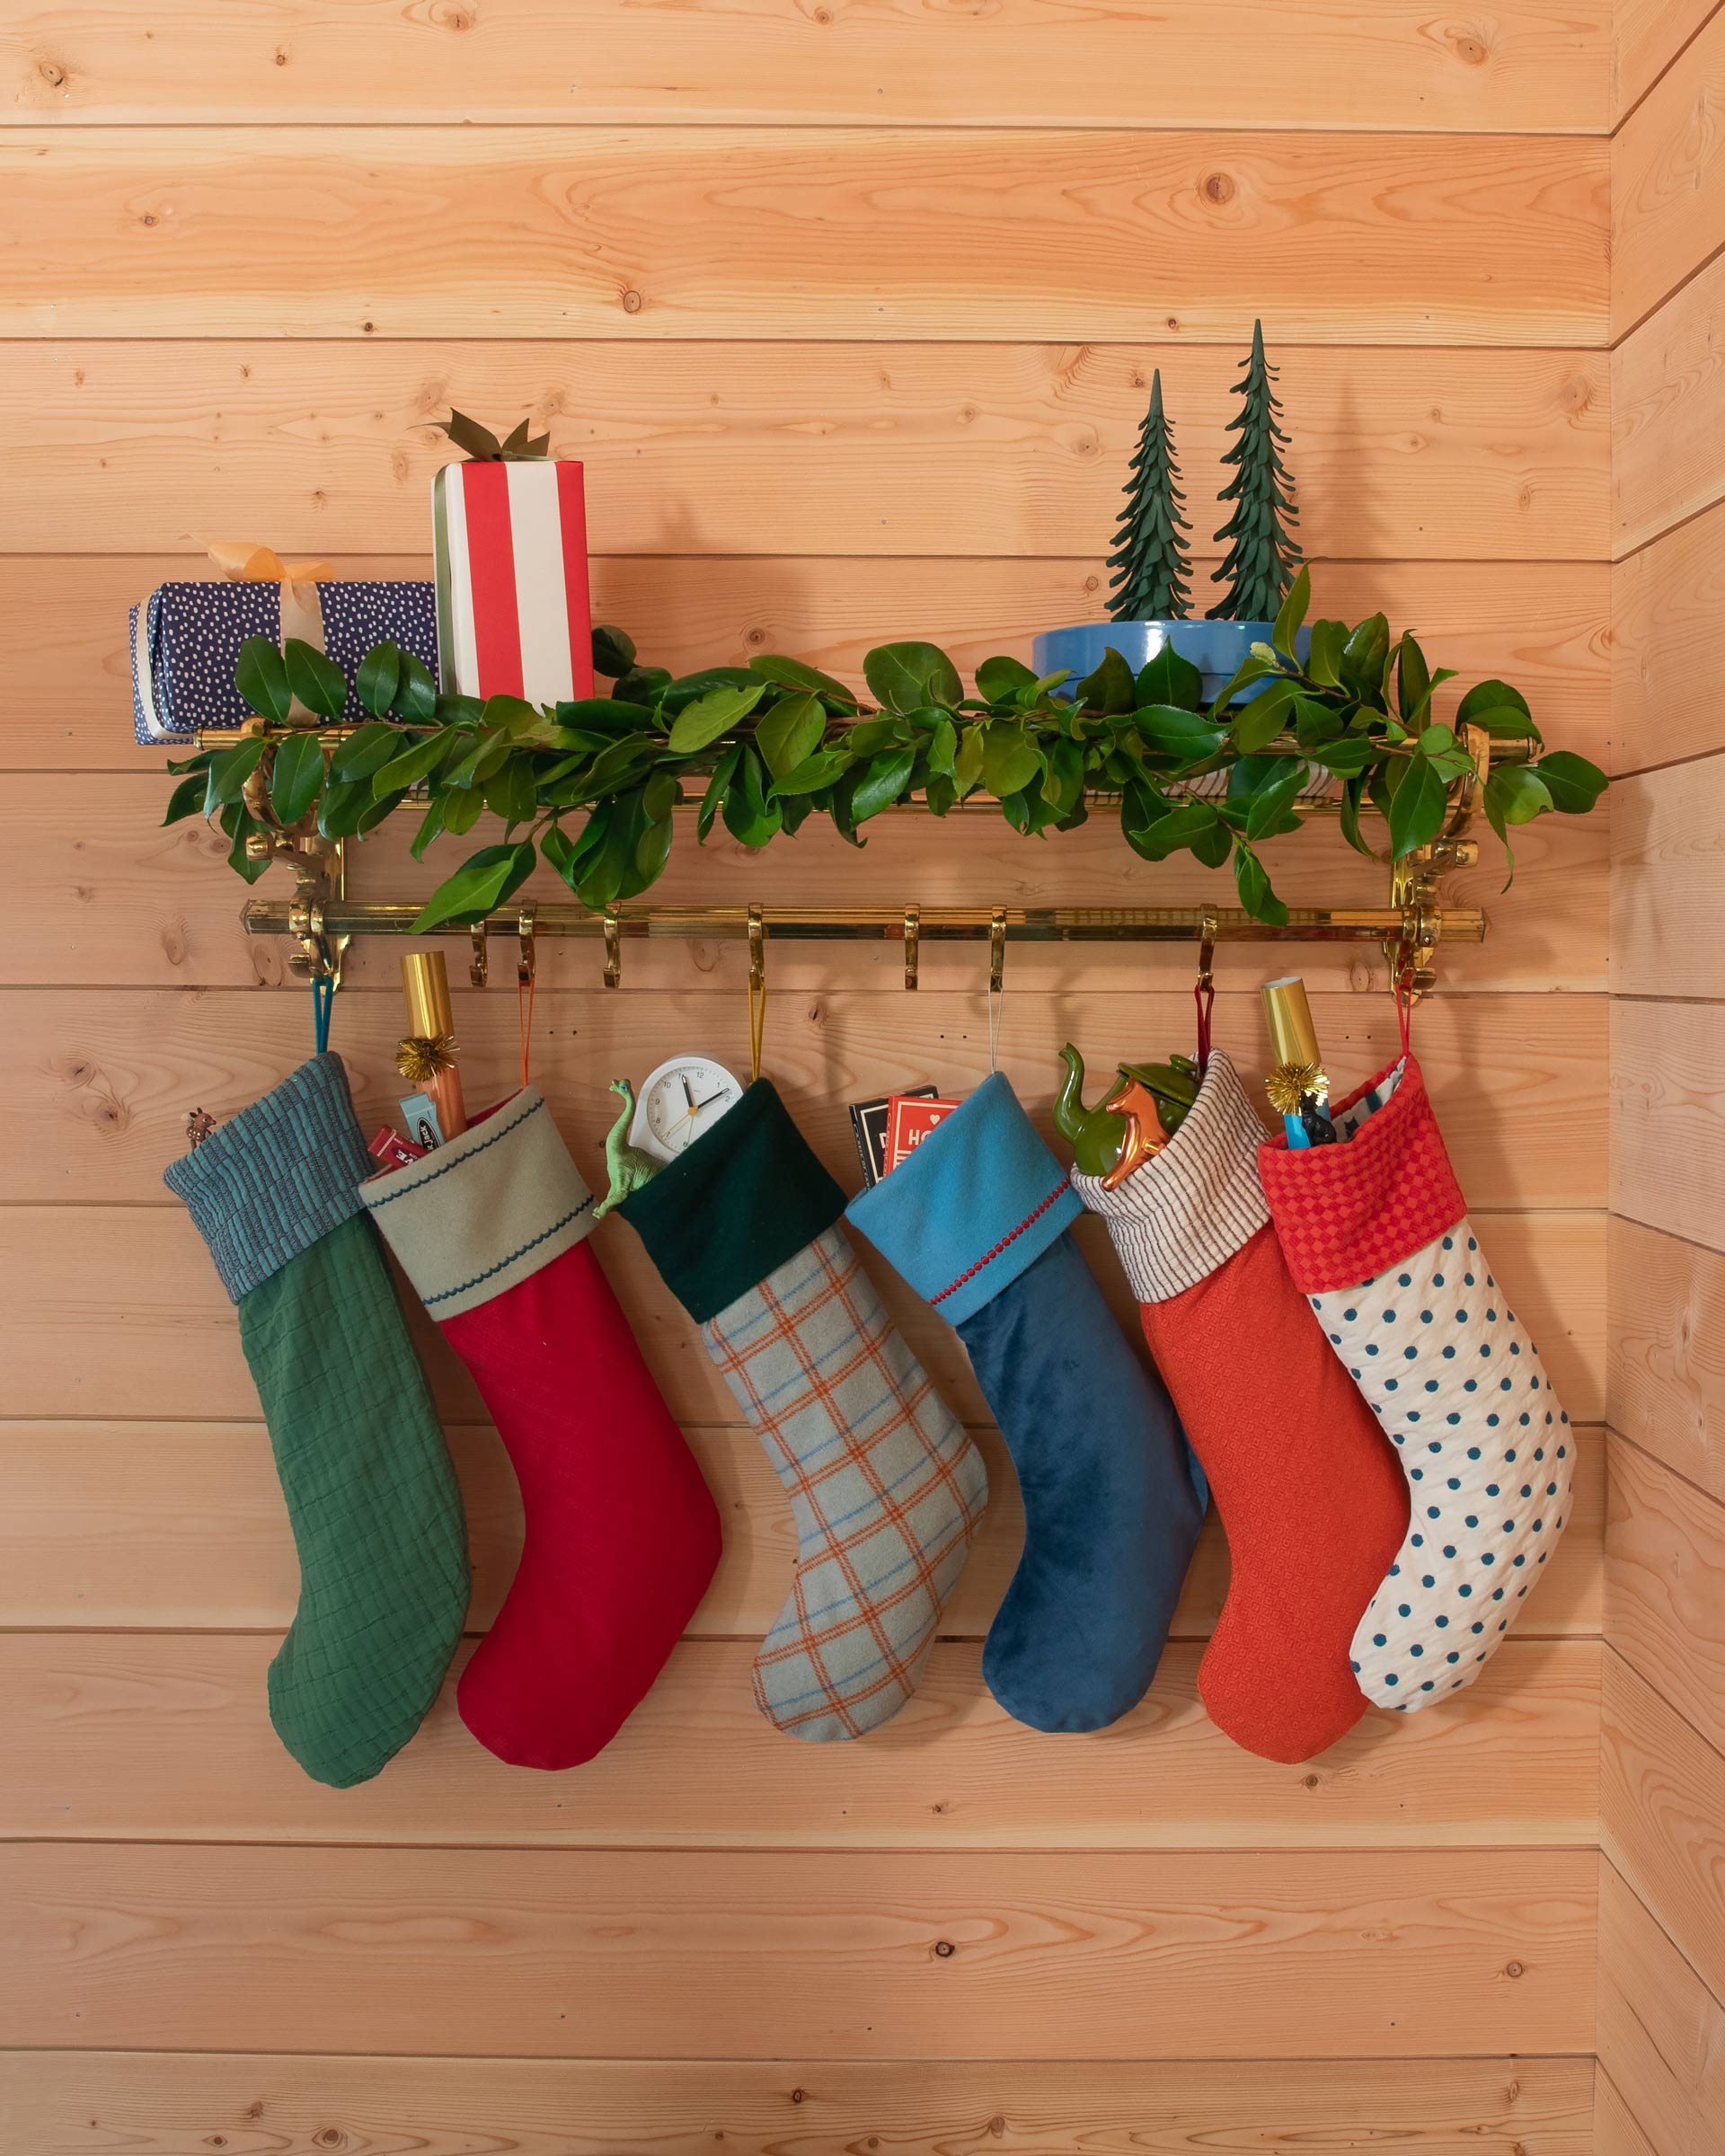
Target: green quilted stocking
x,y
372,1501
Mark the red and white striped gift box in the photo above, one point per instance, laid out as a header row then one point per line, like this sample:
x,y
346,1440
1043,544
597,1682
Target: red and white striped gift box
x,y
513,613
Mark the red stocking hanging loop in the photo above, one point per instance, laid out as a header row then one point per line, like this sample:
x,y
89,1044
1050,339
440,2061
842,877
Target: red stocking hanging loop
x,y
1204,992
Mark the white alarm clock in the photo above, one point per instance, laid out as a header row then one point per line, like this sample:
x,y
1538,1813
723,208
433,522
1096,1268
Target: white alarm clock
x,y
680,1100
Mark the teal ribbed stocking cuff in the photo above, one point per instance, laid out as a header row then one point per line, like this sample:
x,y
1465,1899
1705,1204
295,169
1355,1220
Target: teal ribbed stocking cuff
x,y
265,1186
372,1497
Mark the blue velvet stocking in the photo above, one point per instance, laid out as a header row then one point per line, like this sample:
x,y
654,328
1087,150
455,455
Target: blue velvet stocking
x,y
978,1220
1110,1513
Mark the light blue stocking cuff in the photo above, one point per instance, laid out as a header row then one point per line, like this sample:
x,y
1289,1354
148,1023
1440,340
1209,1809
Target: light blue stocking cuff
x,y
485,1211
279,1177
978,1203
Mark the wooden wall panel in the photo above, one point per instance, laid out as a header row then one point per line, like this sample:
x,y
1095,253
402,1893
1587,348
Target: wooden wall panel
x,y
1539,65
638,1955
106,1728
787,449
179,1524
1664,1585
1659,2025
110,899
1647,37
83,2103
67,666
1667,182
1668,645
1668,1116
181,1351
1662,1816
109,1076
1666,1385
1666,882
803,233
812,304
1667,407
1662,1937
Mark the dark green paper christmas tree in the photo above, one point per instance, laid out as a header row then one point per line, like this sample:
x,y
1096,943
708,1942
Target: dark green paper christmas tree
x,y
1262,555
1150,561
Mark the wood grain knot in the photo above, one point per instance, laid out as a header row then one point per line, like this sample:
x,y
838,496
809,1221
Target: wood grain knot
x,y
796,2096
1513,1968
51,72
1468,50
631,303
1217,188
944,1948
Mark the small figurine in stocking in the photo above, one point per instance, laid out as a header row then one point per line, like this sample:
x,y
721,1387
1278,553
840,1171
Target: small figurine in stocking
x,y
978,1220
1376,1233
372,1501
1308,1490
621,1534
885,1488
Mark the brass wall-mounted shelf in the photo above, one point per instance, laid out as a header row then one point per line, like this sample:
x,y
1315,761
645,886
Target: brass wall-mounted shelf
x,y
320,918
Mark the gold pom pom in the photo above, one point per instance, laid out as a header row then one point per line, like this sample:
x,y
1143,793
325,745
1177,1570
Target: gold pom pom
x,y
423,1056
1289,1082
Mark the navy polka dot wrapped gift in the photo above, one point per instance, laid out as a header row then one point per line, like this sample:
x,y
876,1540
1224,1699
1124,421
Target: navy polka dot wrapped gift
x,y
1376,1233
186,637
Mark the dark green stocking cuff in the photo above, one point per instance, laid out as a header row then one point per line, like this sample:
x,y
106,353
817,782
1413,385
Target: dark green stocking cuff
x,y
745,1196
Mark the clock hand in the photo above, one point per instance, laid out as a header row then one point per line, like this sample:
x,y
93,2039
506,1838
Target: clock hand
x,y
687,1093
695,1106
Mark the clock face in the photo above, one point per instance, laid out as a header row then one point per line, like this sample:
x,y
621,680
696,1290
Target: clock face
x,y
681,1100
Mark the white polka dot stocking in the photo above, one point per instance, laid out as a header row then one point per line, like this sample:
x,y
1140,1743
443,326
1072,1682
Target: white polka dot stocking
x,y
1375,1231
1489,1454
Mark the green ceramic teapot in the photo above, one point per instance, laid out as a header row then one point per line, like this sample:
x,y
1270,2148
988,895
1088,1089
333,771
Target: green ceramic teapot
x,y
1096,1134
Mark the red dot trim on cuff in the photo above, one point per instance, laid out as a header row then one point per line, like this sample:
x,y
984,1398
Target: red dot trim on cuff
x,y
988,1256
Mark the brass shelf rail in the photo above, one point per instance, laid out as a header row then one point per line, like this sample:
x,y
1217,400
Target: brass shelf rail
x,y
320,918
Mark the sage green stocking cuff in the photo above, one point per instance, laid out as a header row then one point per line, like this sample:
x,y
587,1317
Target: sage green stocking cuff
x,y
748,1194
278,1176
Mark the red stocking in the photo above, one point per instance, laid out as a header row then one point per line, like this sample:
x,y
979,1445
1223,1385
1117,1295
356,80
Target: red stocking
x,y
621,1534
1309,1491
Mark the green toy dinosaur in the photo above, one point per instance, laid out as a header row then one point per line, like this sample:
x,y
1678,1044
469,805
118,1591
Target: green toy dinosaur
x,y
628,1166
1096,1134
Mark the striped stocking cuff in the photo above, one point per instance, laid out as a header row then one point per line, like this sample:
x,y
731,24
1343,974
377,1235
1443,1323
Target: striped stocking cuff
x,y
1187,1209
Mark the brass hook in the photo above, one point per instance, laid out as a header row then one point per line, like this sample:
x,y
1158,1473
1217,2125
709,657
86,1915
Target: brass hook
x,y
479,966
1207,949
613,947
912,944
997,951
757,990
527,956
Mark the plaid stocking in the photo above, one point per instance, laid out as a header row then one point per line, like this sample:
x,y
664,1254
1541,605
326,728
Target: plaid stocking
x,y
622,1534
977,1221
1377,1235
885,1488
1309,1492
371,1495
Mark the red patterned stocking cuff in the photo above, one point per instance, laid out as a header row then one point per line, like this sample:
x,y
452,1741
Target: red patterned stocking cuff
x,y
1344,1213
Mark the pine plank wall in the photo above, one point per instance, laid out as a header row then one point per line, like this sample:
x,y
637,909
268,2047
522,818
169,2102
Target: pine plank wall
x,y
851,309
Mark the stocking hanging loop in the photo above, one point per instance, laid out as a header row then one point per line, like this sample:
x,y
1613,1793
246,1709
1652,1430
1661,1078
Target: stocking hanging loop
x,y
526,972
757,989
613,947
997,981
1204,991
